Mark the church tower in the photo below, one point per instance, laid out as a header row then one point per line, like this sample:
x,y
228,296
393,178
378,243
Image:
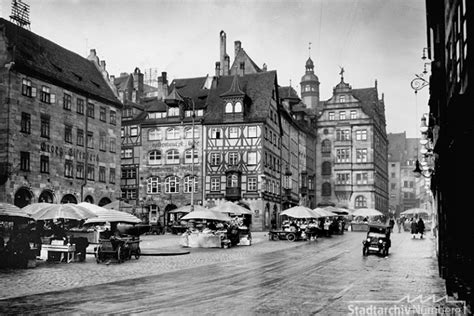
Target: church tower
x,y
310,87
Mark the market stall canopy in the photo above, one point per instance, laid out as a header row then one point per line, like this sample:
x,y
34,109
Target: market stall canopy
x,y
322,212
187,209
119,206
10,212
366,212
336,210
231,208
300,212
207,214
414,211
104,215
45,211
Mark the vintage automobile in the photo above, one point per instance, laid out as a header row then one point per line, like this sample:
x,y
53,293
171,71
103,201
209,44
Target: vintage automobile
x,y
377,240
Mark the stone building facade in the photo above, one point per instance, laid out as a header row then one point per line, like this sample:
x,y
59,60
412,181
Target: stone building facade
x,y
60,123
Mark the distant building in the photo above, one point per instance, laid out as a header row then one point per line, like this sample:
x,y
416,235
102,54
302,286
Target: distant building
x,y
352,149
59,121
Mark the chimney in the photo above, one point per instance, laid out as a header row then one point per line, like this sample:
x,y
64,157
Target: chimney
x,y
102,64
223,52
93,56
226,65
137,84
162,86
376,83
237,46
264,68
218,69
112,79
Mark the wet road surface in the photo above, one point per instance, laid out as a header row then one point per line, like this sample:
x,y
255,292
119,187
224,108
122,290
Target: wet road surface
x,y
319,277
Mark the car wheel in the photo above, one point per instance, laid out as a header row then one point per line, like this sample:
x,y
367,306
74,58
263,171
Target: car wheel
x,y
137,253
291,237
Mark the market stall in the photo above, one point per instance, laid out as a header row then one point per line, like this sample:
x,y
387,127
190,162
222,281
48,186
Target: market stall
x,y
206,229
241,220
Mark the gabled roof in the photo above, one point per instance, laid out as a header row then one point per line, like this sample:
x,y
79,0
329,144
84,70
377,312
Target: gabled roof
x,y
192,88
40,58
369,101
122,82
288,93
155,105
258,89
234,90
243,56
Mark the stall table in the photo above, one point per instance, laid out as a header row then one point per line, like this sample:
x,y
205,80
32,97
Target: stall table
x,y
66,252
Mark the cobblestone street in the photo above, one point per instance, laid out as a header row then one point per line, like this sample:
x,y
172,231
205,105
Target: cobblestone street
x,y
328,276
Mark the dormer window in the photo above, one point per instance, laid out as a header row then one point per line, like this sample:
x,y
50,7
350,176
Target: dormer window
x,y
173,111
342,98
238,107
233,107
229,108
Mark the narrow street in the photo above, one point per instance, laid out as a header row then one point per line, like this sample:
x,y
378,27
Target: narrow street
x,y
318,277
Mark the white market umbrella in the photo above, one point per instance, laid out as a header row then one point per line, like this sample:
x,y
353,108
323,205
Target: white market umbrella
x,y
208,215
231,208
415,211
336,210
187,209
366,212
119,205
10,212
322,212
104,215
45,211
300,212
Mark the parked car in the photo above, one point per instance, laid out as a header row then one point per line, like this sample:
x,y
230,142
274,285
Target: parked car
x,y
377,240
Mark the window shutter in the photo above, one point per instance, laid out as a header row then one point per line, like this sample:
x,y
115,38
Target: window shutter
x,y
53,98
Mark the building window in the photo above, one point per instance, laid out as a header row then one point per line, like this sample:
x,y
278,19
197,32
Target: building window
x,y
342,115
172,184
129,194
188,156
112,175
252,158
361,155
342,155
331,116
80,137
113,117
343,134
342,99
90,172
67,101
26,88
45,95
80,170
172,133
216,133
252,184
24,161
25,123
393,186
215,184
188,184
102,142
215,159
68,168
128,113
154,157
233,158
360,202
44,164
153,185
232,181
45,126
80,106
133,130
252,131
112,145
326,146
353,115
154,134
326,189
172,157
102,114
173,111
126,153
129,173
361,134
326,168
343,178
101,174
362,178
233,132
90,140
188,132
68,134
90,110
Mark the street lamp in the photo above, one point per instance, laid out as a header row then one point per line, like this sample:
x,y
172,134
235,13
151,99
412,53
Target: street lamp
x,y
193,145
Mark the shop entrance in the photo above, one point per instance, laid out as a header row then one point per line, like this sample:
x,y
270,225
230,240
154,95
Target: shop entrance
x,y
23,197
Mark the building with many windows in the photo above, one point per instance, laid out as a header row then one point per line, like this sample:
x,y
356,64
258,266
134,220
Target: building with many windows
x,y
60,123
352,147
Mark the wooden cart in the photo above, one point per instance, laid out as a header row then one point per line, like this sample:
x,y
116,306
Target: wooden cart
x,y
120,249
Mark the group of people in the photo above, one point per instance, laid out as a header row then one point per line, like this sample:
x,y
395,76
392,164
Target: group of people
x,y
313,228
417,227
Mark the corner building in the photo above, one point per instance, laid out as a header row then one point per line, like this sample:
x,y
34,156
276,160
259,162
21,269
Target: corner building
x,y
59,121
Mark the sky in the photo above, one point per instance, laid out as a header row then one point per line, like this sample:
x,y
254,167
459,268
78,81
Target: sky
x,y
373,40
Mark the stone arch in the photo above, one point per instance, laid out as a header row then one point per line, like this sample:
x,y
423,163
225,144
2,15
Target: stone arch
x,y
69,198
46,196
89,199
104,201
23,197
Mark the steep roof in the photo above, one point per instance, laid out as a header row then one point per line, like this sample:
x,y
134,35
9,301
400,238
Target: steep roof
x,y
369,101
288,93
258,88
243,56
155,105
194,88
41,58
122,82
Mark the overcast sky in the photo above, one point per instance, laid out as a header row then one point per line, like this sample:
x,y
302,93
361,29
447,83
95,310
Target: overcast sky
x,y
371,39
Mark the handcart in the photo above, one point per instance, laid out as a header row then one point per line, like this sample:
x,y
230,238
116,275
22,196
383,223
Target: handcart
x,y
120,249
285,235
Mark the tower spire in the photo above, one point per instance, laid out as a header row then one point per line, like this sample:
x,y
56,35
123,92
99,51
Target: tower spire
x,y
309,49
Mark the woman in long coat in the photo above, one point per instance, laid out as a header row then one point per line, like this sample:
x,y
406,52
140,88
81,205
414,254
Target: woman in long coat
x,y
414,228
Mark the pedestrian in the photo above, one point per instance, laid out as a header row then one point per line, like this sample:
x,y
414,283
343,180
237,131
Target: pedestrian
x,y
414,228
399,224
421,227
391,223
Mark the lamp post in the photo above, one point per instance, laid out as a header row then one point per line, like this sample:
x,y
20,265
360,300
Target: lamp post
x,y
192,156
